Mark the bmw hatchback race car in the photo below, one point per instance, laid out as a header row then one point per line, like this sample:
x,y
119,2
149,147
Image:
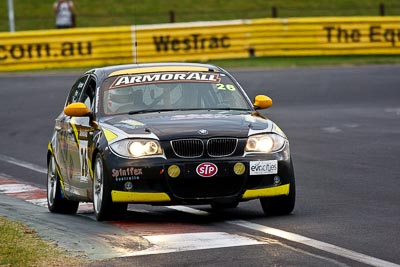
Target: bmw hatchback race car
x,y
166,134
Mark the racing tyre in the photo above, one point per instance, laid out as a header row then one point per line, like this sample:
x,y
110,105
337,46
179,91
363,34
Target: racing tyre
x,y
104,208
281,205
55,200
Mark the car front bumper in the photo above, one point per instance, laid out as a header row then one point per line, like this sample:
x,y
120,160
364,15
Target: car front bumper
x,y
157,180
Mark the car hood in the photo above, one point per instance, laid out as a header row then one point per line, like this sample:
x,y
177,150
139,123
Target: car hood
x,y
173,125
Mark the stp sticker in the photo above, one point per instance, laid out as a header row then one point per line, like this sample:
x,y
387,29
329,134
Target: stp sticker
x,y
207,169
263,167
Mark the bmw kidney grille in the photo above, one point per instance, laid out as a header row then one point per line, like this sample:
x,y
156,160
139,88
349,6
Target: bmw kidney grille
x,y
194,148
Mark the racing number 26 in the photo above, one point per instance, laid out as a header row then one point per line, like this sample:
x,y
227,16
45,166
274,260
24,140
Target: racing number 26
x,y
230,87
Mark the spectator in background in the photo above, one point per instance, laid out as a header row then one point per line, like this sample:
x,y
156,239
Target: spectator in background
x,y
65,14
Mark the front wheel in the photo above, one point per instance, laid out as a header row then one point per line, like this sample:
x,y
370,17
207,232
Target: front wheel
x,y
104,208
55,202
281,205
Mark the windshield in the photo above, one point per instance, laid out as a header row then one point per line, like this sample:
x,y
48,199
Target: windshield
x,y
156,92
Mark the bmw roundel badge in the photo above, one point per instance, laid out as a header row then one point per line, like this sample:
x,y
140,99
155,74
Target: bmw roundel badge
x,y
203,132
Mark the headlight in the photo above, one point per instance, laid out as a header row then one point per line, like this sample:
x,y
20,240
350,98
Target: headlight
x,y
137,148
265,143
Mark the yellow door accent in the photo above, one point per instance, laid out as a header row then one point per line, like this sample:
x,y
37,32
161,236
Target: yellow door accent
x,y
267,192
89,162
121,196
75,129
109,135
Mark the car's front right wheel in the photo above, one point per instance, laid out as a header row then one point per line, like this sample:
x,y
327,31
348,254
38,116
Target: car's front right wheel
x,y
104,208
281,205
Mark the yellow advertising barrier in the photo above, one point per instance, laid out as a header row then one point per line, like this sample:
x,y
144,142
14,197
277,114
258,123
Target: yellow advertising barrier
x,y
65,48
326,36
192,41
199,41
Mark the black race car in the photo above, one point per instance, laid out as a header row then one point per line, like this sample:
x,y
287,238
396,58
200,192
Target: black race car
x,y
166,134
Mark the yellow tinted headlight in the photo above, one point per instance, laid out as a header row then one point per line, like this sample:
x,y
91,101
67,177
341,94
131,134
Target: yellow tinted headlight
x,y
265,143
137,148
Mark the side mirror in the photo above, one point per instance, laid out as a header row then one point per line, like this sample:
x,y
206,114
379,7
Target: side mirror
x,y
262,102
77,110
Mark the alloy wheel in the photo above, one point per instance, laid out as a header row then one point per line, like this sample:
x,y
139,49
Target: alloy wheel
x,y
98,185
51,181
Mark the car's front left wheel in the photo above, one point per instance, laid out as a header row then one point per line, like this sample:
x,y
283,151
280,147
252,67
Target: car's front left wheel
x,y
55,200
104,208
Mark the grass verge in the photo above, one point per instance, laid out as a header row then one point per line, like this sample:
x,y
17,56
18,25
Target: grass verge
x,y
21,246
34,15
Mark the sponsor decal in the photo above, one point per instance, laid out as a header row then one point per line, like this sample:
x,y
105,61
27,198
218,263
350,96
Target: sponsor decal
x,y
83,134
197,116
263,167
44,51
192,43
207,169
277,180
127,178
147,78
128,186
374,34
133,122
130,171
224,87
129,124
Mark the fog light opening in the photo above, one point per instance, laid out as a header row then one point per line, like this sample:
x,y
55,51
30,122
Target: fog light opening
x,y
239,168
174,171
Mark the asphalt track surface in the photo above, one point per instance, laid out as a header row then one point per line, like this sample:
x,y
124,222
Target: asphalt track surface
x,y
344,128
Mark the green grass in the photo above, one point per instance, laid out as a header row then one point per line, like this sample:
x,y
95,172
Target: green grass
x,y
33,14
20,246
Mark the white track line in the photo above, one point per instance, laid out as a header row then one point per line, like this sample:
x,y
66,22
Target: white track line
x,y
42,202
193,241
346,253
17,188
189,210
316,244
23,164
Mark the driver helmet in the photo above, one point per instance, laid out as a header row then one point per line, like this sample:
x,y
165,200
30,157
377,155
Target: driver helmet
x,y
165,93
118,98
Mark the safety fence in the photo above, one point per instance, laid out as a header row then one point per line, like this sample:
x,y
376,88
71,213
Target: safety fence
x,y
199,41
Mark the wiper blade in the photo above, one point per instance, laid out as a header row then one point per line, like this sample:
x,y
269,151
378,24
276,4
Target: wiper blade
x,y
240,109
149,111
180,109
